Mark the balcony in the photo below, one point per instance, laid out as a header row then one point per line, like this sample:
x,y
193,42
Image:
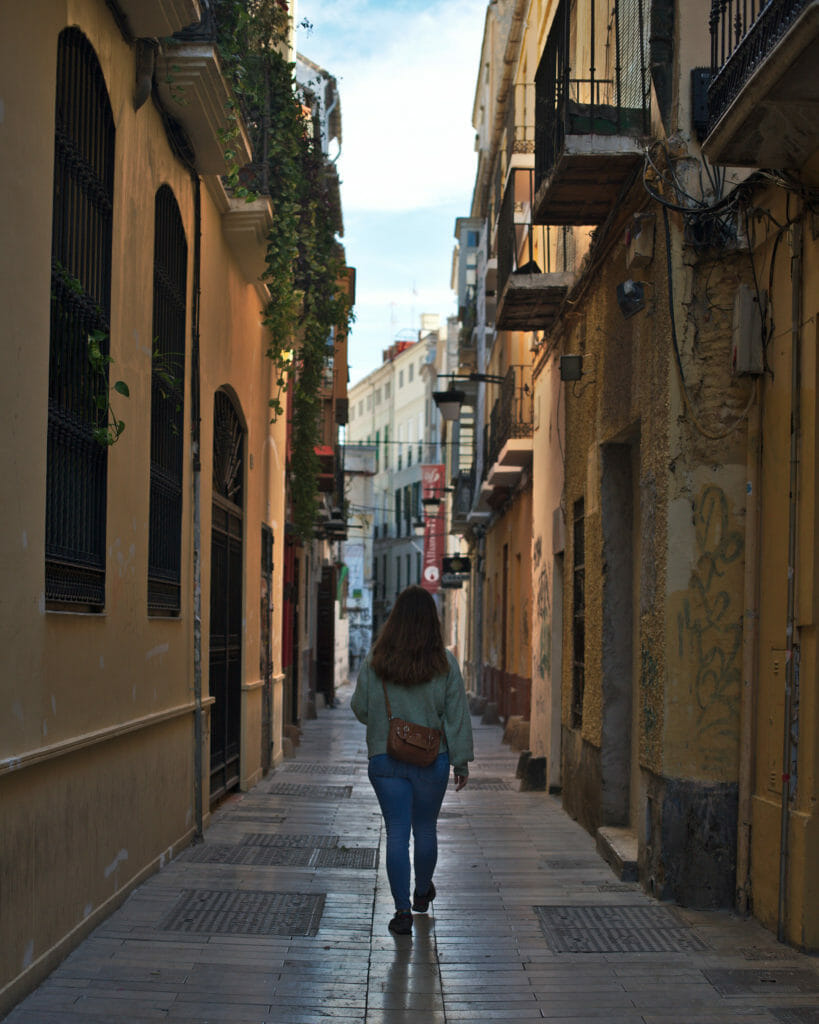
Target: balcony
x,y
148,19
589,129
764,95
196,94
535,262
327,468
509,440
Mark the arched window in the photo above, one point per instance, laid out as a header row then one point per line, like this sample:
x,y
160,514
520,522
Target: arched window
x,y
167,406
77,462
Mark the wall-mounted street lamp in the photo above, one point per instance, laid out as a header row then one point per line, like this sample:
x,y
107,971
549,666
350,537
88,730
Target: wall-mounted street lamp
x,y
449,402
419,526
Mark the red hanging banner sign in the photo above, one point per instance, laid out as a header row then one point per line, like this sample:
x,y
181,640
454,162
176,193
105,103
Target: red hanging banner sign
x,y
432,487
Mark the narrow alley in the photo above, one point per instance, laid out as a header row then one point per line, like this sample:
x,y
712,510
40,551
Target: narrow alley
x,y
281,916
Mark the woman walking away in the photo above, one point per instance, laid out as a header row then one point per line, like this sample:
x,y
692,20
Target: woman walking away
x,y
410,671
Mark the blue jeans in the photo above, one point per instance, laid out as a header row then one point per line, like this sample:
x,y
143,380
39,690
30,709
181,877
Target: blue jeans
x,y
410,798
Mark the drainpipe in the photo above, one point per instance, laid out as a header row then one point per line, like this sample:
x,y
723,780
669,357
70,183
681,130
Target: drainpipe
x,y
796,332
198,725
750,664
477,613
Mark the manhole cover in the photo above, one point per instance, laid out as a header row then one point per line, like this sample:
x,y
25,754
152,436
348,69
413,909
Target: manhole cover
x,y
313,792
319,768
212,912
640,929
772,981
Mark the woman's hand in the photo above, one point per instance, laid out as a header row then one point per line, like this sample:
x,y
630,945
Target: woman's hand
x,y
460,782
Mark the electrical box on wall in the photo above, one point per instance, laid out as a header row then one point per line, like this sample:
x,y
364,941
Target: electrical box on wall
x,y
746,342
640,240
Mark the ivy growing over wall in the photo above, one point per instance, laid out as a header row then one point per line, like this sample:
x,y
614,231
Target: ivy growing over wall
x,y
304,261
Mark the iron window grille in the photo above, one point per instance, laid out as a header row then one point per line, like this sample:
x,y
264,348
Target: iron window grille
x,y
167,406
76,462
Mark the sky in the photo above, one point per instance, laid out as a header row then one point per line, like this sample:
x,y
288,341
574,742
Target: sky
x,y
406,72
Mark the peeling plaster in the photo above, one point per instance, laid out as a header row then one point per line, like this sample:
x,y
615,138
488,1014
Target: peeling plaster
x,y
157,651
25,540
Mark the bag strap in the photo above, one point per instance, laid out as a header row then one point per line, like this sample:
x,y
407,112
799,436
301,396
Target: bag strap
x,y
387,700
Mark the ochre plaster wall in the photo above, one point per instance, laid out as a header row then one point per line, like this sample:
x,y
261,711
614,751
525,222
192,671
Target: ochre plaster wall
x,y
97,718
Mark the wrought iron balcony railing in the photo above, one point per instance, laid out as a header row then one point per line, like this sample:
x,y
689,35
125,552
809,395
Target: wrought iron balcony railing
x,y
512,415
535,261
743,34
603,93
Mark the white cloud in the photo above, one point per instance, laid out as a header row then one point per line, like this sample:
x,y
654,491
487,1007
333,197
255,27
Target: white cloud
x,y
407,71
407,77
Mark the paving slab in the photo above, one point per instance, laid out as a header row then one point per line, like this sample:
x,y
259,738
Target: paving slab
x,y
288,904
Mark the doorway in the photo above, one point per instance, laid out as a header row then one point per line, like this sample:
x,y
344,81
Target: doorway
x,y
226,598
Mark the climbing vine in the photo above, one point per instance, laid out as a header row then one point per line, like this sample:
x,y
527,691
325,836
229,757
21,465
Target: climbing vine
x,y
304,261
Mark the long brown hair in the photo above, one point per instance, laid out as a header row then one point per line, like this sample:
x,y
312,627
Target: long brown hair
x,y
410,647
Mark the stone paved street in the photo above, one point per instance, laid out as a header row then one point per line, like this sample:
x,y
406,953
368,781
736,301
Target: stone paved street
x,y
281,916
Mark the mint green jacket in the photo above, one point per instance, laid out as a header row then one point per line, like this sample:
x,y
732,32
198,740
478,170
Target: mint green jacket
x,y
440,703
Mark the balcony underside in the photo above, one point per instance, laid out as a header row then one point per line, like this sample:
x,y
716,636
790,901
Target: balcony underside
x,y
774,119
193,90
159,18
583,185
530,302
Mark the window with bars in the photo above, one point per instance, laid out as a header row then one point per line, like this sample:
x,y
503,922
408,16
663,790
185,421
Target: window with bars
x,y
578,614
76,462
167,406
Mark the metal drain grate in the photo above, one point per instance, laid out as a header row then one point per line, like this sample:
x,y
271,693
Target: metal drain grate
x,y
640,929
257,856
262,819
300,842
313,792
212,912
495,784
772,981
319,768
257,850
362,859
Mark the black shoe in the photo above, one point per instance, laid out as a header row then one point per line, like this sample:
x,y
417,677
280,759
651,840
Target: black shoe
x,y
401,924
421,903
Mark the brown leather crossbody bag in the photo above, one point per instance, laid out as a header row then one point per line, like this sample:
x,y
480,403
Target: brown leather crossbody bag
x,y
406,741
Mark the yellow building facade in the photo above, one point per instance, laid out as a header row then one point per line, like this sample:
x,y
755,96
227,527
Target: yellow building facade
x,y
141,672
662,287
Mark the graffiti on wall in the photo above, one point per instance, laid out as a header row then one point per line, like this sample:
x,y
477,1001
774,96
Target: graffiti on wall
x,y
709,621
543,612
